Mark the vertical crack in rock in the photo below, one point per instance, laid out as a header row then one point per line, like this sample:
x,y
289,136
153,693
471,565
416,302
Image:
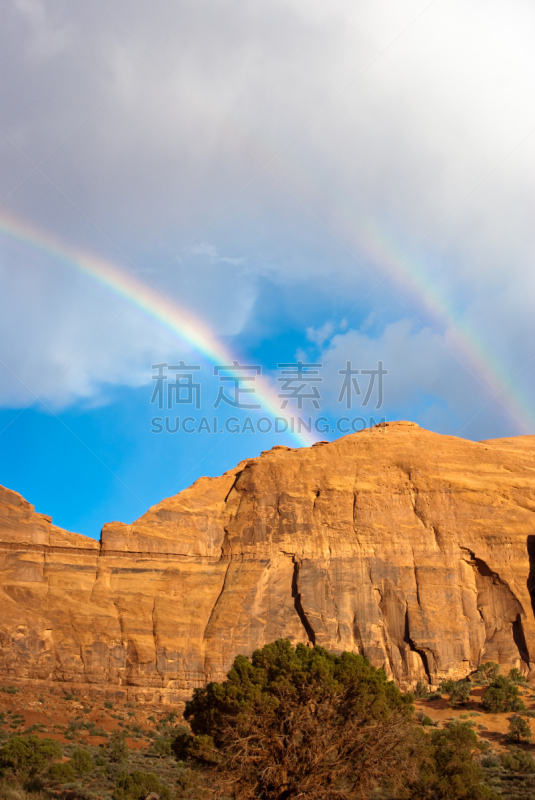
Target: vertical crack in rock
x,y
77,640
357,636
226,550
237,475
416,584
416,511
46,577
531,577
214,607
407,639
520,639
298,605
155,639
355,515
414,495
120,621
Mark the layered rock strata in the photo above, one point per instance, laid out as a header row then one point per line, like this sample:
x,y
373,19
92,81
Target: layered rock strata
x,y
415,549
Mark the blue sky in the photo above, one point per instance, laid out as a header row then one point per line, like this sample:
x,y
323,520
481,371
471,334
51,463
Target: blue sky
x,y
239,159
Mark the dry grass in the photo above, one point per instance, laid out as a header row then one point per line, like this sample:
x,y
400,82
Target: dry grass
x,y
11,791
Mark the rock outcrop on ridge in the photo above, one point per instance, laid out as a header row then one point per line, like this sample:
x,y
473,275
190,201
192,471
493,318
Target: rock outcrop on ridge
x,y
415,549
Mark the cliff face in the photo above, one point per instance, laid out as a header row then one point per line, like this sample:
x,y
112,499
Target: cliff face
x,y
407,546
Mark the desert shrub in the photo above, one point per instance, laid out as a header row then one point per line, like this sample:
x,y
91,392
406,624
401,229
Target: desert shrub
x,y
189,782
162,746
518,730
490,761
301,721
180,744
424,719
486,673
435,696
459,694
81,761
502,695
449,771
516,677
199,748
421,690
459,691
36,727
63,773
202,749
28,755
107,704
99,732
116,748
517,760
138,785
12,789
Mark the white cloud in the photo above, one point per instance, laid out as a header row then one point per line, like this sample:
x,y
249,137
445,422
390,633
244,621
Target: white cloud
x,y
320,335
425,376
265,141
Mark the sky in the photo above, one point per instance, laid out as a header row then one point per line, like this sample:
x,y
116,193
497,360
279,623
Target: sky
x,y
334,183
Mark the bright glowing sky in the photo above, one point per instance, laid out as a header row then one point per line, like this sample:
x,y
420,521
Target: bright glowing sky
x,y
324,180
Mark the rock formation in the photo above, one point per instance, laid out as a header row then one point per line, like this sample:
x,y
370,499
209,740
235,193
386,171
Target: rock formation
x,y
415,549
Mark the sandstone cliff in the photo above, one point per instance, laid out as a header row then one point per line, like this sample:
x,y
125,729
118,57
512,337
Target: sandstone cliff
x,y
412,548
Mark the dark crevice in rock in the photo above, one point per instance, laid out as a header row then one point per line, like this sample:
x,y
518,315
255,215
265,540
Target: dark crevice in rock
x,y
531,576
237,475
485,571
226,550
357,636
495,593
423,655
520,639
207,629
298,606
417,513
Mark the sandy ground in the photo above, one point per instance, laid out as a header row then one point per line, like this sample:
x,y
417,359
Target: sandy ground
x,y
497,725
53,713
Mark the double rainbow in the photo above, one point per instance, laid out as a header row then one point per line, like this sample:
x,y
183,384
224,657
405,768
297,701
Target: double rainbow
x,y
187,328
156,306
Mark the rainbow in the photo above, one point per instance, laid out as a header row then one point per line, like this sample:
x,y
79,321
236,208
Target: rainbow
x,y
154,305
369,243
407,272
